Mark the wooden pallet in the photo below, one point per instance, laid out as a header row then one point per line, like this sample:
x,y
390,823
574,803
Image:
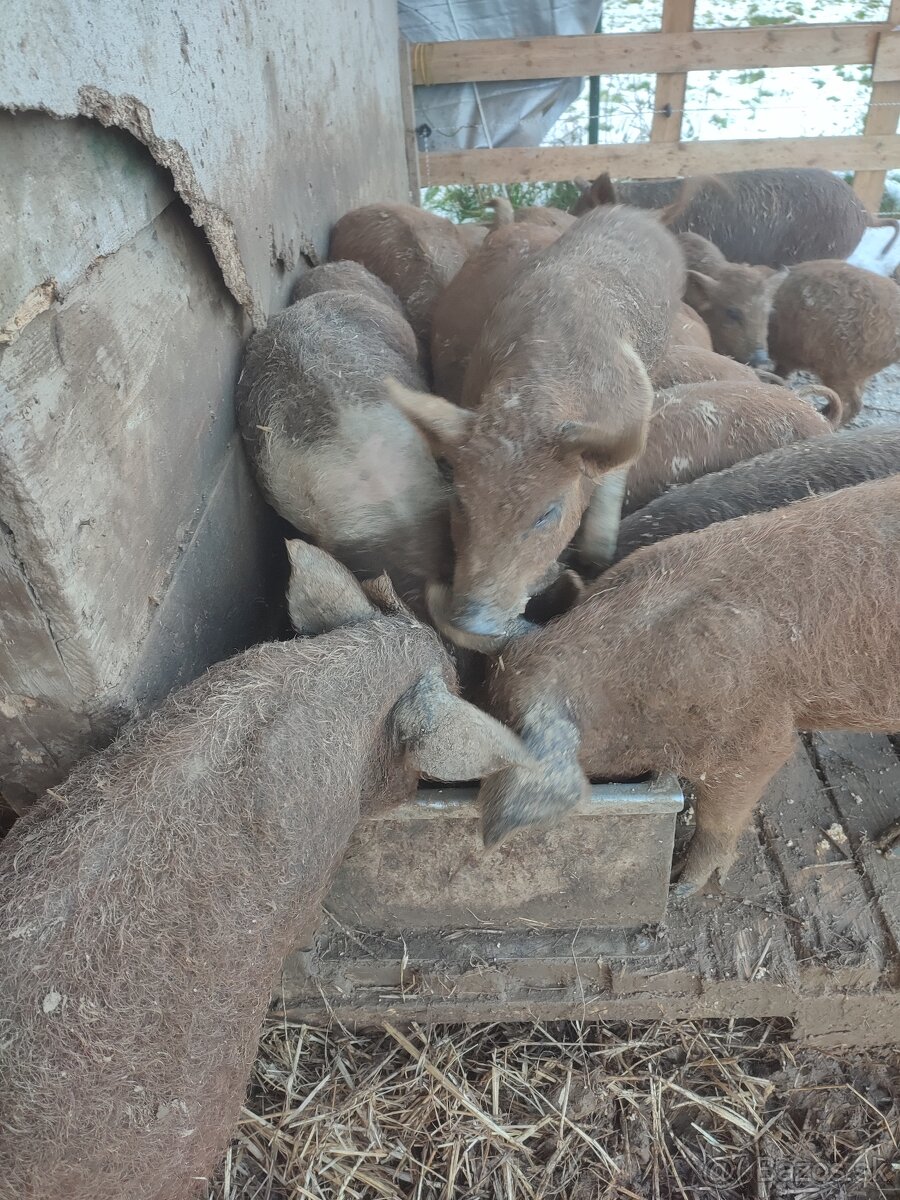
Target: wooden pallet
x,y
807,928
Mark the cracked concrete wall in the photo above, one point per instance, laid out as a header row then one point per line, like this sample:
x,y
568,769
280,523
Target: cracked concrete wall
x,y
134,548
271,116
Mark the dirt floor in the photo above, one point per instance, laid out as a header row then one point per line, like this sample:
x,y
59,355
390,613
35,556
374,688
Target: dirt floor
x,y
581,1111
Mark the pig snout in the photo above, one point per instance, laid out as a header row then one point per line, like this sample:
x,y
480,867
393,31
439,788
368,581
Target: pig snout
x,y
480,618
759,358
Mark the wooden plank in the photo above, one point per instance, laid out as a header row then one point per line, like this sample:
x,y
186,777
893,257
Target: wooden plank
x,y
863,773
668,100
409,121
839,941
646,160
486,60
884,107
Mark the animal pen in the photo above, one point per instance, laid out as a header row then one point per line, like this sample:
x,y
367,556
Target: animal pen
x,y
154,236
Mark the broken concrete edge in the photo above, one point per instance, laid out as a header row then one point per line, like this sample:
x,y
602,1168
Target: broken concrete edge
x,y
133,116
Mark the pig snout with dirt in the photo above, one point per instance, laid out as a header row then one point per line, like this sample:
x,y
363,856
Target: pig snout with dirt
x,y
556,399
702,427
415,252
736,305
771,480
147,902
838,321
702,655
468,300
332,456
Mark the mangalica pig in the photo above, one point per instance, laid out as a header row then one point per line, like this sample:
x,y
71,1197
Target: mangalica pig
x,y
702,655
838,321
556,398
772,480
736,305
332,456
690,364
774,217
147,902
416,253
701,255
468,300
701,427
689,329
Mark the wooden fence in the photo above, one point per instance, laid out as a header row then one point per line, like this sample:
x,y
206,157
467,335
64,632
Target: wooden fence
x,y
670,54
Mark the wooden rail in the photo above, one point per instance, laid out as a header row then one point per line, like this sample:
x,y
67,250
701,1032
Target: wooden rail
x,y
670,55
487,60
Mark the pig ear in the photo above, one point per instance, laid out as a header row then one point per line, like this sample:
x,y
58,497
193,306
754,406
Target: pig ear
x,y
322,595
775,280
599,452
450,739
444,425
382,594
700,290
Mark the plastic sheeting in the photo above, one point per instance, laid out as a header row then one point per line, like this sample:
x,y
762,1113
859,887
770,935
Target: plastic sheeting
x,y
466,115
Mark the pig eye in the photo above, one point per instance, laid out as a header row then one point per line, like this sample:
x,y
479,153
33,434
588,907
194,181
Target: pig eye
x,y
550,517
734,314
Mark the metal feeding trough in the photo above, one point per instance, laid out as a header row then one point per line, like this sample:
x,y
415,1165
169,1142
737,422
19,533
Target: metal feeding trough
x,y
422,866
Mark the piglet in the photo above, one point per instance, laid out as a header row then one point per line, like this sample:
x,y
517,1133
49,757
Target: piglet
x,y
772,480
146,903
556,400
331,455
702,427
702,655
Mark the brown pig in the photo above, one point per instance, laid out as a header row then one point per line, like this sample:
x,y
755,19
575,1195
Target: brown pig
x,y
689,329
690,364
701,255
466,303
772,480
735,306
146,903
536,214
415,252
331,455
702,655
556,398
839,321
701,427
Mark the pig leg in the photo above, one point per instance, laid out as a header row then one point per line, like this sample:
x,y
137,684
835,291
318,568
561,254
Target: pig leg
x,y
518,797
599,529
725,804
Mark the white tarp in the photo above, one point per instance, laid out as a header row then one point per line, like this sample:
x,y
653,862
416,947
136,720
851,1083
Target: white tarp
x,y
465,115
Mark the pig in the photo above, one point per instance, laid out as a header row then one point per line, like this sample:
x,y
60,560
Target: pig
x,y
689,329
472,234
346,276
701,255
556,398
702,655
147,902
338,462
772,480
690,364
838,321
468,300
773,217
702,427
736,305
416,253
537,214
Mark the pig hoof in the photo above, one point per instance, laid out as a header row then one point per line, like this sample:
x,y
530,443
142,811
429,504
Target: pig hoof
x,y
683,888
